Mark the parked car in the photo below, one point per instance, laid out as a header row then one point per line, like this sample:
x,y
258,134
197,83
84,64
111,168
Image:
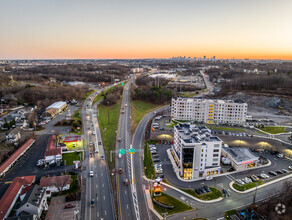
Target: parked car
x,y
203,190
290,167
284,171
207,189
279,172
156,160
91,173
208,178
239,181
153,152
264,176
69,206
280,155
254,178
273,173
91,154
198,191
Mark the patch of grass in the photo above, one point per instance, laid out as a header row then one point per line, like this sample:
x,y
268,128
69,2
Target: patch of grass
x,y
152,142
172,124
73,186
148,163
189,94
88,94
167,199
274,129
247,186
227,129
68,158
214,194
138,110
108,117
228,213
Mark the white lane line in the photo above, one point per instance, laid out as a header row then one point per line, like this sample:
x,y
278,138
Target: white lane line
x,y
103,185
96,186
127,206
97,214
126,192
101,174
103,197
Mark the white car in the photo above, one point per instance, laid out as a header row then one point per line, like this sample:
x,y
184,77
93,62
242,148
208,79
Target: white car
x,y
280,155
208,178
91,173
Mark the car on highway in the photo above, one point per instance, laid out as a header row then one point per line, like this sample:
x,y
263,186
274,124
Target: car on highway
x,y
69,206
290,167
91,173
99,143
91,154
122,112
126,182
93,132
126,105
208,178
120,170
273,173
120,139
92,203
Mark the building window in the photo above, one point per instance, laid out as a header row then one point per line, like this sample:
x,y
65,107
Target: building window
x,y
215,155
215,159
216,145
214,164
216,150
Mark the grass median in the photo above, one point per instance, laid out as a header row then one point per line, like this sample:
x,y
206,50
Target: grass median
x,y
167,199
108,118
214,194
148,163
247,186
138,110
274,129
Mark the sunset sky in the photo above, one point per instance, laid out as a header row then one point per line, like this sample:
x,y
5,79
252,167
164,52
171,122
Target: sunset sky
x,y
53,29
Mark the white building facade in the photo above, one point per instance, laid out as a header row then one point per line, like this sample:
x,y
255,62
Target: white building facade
x,y
211,111
195,151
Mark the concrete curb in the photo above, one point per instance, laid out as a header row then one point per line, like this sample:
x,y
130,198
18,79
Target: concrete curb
x,y
150,205
218,175
186,194
261,186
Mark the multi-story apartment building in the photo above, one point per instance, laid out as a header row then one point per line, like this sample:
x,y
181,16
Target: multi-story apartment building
x,y
209,110
195,151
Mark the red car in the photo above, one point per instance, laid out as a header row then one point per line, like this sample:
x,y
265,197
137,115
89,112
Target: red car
x,y
69,206
120,170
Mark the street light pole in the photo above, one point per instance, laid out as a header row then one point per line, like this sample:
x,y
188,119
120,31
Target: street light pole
x,y
107,112
254,196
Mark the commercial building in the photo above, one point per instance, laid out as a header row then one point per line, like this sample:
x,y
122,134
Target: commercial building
x,y
52,152
209,110
195,151
240,158
55,109
12,194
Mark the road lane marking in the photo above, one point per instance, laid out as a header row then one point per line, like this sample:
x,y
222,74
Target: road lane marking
x,y
104,212
103,185
103,197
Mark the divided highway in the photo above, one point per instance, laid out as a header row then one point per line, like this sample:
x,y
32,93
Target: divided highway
x,y
97,187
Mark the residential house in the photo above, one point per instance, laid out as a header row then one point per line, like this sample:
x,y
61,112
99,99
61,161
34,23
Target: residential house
x,y
14,135
56,183
35,202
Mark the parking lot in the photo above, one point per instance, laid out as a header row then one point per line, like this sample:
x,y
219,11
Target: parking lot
x,y
57,210
221,182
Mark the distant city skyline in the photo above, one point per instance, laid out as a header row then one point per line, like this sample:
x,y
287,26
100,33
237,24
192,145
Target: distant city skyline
x,y
226,29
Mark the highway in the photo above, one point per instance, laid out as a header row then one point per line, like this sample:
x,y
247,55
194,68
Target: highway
x,y
126,193
141,184
98,186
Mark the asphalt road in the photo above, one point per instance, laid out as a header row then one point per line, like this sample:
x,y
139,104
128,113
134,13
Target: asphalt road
x,y
126,194
96,187
141,184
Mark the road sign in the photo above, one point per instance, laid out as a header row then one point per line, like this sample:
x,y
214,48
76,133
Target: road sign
x,y
122,151
123,84
131,150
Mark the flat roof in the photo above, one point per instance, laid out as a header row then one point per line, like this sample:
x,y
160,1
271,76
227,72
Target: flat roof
x,y
74,138
51,147
241,155
221,101
190,133
57,105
